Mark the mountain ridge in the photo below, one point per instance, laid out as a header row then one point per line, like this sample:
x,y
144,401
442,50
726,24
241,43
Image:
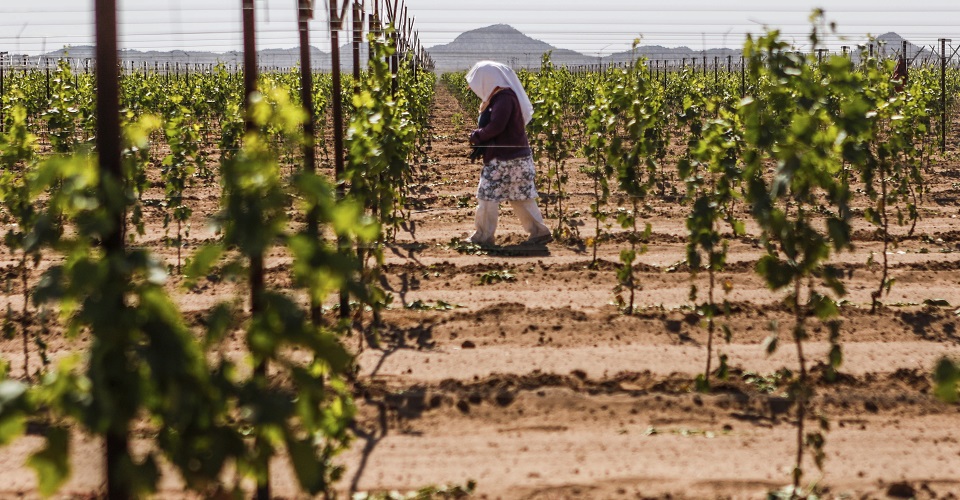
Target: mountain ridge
x,y
500,42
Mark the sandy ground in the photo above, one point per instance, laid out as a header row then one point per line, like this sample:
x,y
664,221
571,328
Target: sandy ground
x,y
540,388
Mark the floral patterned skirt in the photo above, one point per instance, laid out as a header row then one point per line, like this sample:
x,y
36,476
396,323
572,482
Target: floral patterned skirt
x,y
508,180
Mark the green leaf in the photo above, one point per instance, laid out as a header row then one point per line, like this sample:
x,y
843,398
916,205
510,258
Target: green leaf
x,y
221,319
824,307
333,353
723,371
11,393
306,464
839,233
770,344
12,426
775,272
701,384
739,228
202,261
647,231
946,376
142,477
12,421
52,463
836,356
347,220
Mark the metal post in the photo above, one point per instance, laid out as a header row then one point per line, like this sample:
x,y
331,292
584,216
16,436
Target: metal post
x,y
716,70
403,42
249,59
256,261
357,40
943,95
743,79
414,59
906,61
374,26
336,22
108,149
394,41
2,88
304,14
404,35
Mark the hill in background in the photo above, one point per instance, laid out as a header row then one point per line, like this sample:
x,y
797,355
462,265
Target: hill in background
x,y
502,43
268,58
499,42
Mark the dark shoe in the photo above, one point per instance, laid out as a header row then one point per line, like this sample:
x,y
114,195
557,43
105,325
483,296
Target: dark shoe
x,y
543,239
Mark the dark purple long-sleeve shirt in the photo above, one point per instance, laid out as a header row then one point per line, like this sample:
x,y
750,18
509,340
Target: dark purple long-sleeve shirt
x,y
506,130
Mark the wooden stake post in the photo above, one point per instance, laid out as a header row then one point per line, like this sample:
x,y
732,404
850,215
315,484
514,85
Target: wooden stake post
x,y
336,24
108,149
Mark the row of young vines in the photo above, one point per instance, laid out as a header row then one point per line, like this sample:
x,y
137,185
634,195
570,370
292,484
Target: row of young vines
x,y
792,147
218,419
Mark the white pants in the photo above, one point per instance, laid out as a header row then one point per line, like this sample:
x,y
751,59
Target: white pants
x,y
489,211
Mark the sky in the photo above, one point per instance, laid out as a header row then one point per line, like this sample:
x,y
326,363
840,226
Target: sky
x,y
592,27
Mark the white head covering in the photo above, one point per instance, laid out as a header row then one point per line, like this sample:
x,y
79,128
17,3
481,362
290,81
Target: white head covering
x,y
488,75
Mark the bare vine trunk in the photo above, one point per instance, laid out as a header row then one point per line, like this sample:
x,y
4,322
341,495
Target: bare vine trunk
x,y
885,230
633,248
801,385
710,327
24,323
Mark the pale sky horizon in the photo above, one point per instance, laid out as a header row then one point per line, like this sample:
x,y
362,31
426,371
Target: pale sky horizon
x,y
592,28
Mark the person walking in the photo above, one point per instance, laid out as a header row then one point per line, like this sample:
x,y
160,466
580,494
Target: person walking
x,y
508,172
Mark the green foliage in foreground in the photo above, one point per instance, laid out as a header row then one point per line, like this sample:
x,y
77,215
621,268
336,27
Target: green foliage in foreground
x,y
204,411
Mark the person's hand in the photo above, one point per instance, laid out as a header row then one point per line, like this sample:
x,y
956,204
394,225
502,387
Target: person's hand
x,y
476,154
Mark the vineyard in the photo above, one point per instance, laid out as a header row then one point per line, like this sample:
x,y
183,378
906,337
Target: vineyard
x,y
751,289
